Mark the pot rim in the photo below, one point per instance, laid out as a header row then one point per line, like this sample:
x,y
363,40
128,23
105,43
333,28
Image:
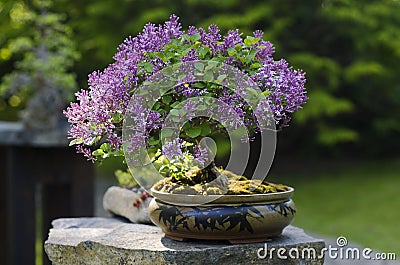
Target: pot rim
x,y
193,200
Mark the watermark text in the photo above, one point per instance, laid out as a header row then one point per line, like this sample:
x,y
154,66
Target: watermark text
x,y
341,251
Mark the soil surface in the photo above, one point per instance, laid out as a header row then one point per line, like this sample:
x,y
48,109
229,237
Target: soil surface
x,y
205,182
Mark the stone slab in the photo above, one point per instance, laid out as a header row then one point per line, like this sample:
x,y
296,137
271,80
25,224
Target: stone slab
x,y
115,241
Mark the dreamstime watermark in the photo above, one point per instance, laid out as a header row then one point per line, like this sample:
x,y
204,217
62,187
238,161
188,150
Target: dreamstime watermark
x,y
339,252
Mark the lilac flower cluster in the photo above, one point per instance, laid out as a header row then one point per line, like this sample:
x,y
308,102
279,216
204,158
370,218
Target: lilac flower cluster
x,y
99,111
288,92
172,149
201,155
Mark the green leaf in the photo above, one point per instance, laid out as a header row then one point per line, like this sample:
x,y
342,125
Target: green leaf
x,y
221,77
166,99
117,117
200,85
199,66
166,132
209,76
185,37
175,118
231,51
174,112
186,126
98,152
203,51
211,64
156,106
251,56
193,132
238,47
105,147
205,129
186,51
163,56
251,40
187,144
176,103
146,66
255,65
168,72
76,141
119,152
160,54
195,37
266,93
153,141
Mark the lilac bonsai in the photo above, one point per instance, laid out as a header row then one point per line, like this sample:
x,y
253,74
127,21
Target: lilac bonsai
x,y
98,116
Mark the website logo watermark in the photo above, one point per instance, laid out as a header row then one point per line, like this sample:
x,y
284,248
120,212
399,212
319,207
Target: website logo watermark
x,y
341,251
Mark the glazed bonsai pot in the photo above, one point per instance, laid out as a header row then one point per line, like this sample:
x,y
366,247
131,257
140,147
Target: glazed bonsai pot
x,y
236,218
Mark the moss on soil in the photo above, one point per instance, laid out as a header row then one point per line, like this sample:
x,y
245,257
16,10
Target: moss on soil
x,y
199,182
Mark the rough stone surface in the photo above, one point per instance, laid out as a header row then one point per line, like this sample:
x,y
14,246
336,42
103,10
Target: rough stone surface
x,y
121,202
113,241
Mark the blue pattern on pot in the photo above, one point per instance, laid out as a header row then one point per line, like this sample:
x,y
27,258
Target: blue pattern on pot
x,y
236,222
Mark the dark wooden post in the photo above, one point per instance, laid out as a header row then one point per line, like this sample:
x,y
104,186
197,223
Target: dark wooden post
x,y
65,179
4,226
21,205
67,187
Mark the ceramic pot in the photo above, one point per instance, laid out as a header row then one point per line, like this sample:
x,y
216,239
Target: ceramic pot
x,y
236,218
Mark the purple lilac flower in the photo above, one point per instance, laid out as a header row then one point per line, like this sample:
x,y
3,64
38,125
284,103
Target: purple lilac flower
x,y
136,144
172,149
110,90
173,27
286,87
153,120
232,39
190,108
265,53
86,152
264,115
211,38
201,155
192,30
138,115
114,140
228,117
137,141
192,56
235,101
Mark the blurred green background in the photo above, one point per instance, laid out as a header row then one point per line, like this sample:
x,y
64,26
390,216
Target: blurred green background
x,y
341,152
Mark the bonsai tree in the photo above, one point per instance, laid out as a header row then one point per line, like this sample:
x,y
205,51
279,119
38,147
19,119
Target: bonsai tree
x,y
168,89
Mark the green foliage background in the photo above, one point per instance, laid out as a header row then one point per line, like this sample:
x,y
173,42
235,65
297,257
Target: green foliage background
x,y
349,49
